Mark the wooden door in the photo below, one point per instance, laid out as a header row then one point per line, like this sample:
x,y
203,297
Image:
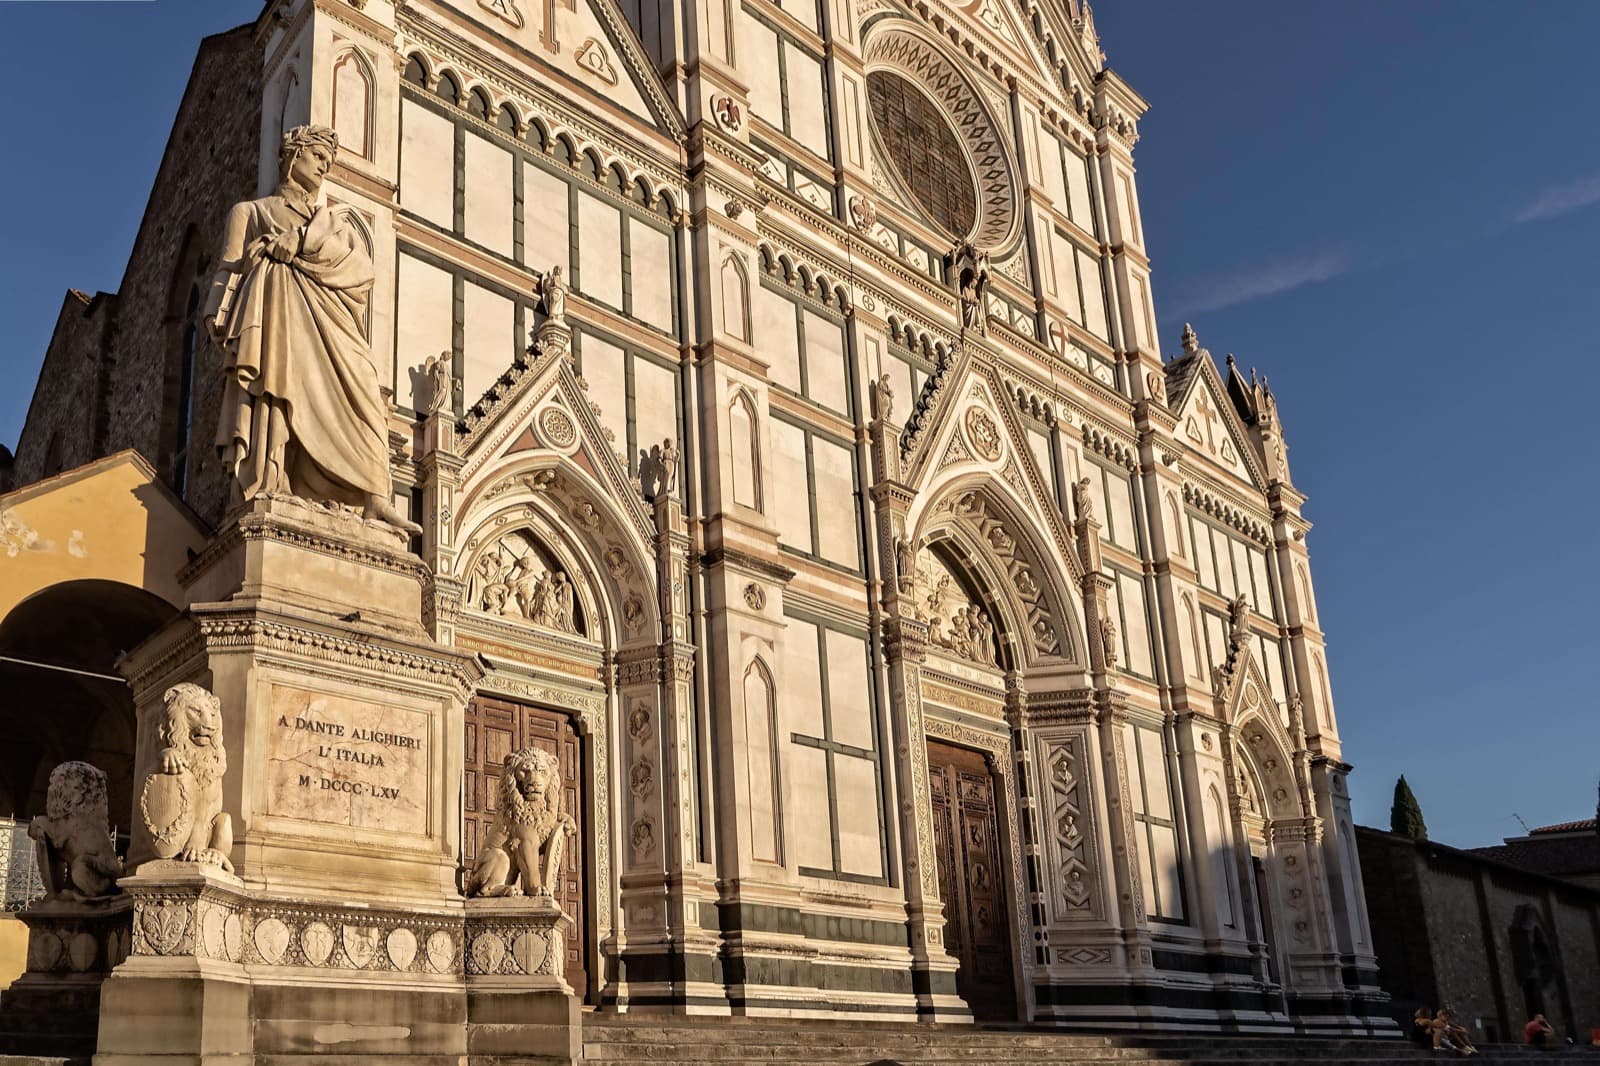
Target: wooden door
x,y
972,880
495,728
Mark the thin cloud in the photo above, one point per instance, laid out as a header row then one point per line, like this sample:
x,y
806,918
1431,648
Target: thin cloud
x,y
1268,280
1559,199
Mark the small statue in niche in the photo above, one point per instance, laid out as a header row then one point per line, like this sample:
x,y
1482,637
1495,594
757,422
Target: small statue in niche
x,y
182,799
970,270
552,292
1108,640
885,397
77,860
667,467
1238,625
440,373
1082,502
522,852
904,563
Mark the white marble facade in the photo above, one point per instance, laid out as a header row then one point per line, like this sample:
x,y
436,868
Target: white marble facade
x,y
1031,537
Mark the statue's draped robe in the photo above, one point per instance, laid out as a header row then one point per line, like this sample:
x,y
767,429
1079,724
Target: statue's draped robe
x,y
302,413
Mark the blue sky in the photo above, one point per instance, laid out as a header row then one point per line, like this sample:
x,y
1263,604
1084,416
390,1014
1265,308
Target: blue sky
x,y
1392,209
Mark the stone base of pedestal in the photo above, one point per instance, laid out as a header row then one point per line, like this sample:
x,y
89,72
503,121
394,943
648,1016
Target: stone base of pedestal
x,y
53,1008
519,1005
221,969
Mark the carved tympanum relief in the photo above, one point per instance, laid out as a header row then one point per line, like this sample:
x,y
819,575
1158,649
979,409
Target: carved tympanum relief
x,y
181,802
971,509
956,622
76,858
515,578
522,852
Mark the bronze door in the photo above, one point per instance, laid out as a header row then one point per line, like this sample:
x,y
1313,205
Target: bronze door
x,y
495,728
966,830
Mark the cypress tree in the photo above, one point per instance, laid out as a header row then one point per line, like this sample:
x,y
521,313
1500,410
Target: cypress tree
x,y
1405,817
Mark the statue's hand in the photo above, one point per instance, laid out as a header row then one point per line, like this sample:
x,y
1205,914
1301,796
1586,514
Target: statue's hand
x,y
172,761
284,247
38,828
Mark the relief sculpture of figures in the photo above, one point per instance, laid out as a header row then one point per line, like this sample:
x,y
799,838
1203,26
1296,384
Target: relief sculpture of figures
x,y
303,414
522,851
182,798
77,860
515,585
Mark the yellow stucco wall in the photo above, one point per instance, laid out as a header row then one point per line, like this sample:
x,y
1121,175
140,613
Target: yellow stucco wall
x,y
13,949
110,520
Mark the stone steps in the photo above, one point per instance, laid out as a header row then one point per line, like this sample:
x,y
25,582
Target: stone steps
x,y
658,1041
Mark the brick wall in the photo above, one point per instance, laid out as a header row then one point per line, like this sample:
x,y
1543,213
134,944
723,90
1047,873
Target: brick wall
x,y
113,381
61,429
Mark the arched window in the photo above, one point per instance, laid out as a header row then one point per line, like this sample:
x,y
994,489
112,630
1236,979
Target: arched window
x,y
478,104
185,338
352,105
191,336
286,106
735,299
760,727
742,422
1222,867
448,88
416,73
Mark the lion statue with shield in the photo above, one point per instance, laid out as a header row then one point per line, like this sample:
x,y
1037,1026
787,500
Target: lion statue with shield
x,y
182,798
521,855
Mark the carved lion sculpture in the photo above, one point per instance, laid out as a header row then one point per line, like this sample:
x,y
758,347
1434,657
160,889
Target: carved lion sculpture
x,y
77,860
522,852
182,798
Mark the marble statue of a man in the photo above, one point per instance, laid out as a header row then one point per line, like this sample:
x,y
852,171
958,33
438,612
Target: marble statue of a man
x,y
302,413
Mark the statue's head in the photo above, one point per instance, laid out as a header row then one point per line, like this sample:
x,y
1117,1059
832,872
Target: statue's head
x,y
193,725
77,787
306,155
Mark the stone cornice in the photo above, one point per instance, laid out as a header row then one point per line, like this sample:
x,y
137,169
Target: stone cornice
x,y
1231,510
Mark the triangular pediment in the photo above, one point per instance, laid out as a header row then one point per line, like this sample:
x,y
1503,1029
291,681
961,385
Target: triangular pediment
x,y
546,409
1209,424
962,424
589,42
1000,24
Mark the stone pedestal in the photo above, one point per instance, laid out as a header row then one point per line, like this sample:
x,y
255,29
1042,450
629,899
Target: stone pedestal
x,y
53,1008
342,719
342,933
519,1004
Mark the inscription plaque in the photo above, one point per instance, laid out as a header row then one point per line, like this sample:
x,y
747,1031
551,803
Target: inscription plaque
x,y
345,762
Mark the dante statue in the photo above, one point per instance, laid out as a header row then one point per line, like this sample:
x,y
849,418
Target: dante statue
x,y
302,413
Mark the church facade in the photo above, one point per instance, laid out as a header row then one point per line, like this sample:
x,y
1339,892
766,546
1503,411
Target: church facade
x,y
778,389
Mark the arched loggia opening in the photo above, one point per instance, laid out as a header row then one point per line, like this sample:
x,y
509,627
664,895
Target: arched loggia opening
x,y
63,697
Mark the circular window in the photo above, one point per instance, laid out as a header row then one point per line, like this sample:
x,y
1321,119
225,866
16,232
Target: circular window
x,y
927,154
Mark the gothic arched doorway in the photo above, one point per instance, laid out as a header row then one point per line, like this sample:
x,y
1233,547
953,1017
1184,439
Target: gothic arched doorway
x,y
495,727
